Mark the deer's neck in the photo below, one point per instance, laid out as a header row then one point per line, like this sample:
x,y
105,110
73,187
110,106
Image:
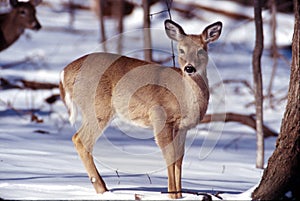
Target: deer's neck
x,y
202,82
203,75
196,98
10,29
202,89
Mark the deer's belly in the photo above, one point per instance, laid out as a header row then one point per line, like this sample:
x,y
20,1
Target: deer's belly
x,y
151,104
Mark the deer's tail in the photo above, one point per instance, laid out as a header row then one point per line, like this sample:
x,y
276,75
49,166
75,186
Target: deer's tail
x,y
67,99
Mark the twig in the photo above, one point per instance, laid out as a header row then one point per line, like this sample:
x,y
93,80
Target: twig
x,y
233,142
168,10
149,178
169,5
229,81
282,99
118,176
8,105
42,132
157,13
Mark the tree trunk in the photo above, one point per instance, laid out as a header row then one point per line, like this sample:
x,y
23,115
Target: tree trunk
x,y
118,14
147,33
274,49
282,174
257,77
100,11
71,10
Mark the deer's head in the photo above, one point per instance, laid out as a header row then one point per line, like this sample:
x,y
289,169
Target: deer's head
x,y
192,49
25,14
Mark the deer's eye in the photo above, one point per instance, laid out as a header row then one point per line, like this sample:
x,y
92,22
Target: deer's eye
x,y
23,12
181,51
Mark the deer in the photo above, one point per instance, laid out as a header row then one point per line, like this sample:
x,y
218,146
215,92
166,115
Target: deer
x,y
169,100
13,24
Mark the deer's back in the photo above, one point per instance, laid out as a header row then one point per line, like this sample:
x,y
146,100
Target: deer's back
x,y
134,88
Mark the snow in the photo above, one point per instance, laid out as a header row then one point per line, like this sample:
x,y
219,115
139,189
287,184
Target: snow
x,y
39,161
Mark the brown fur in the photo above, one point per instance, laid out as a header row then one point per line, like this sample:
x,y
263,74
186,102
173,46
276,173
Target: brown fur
x,y
169,100
13,24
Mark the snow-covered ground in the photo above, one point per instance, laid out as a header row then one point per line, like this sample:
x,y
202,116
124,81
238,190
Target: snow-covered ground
x,y
38,161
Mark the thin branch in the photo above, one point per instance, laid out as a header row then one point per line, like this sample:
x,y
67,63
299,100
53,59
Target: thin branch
x,y
229,81
149,178
257,78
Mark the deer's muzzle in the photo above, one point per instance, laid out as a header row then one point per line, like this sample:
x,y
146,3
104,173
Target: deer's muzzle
x,y
36,26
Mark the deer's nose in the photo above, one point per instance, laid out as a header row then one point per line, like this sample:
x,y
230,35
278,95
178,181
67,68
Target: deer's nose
x,y
189,69
36,25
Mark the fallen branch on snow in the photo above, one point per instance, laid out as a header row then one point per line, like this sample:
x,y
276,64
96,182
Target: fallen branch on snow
x,y
38,85
191,6
34,85
247,120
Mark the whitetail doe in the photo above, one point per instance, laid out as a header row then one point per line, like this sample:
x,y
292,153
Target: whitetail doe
x,y
169,100
21,17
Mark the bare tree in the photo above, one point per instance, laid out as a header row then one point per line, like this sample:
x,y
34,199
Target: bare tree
x,y
282,174
71,10
118,13
274,49
257,77
147,33
114,9
98,7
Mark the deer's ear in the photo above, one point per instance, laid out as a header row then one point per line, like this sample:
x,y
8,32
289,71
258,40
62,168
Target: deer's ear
x,y
35,2
174,30
13,3
212,32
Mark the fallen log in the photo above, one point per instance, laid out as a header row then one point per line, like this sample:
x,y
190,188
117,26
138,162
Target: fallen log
x,y
247,120
190,6
38,85
34,85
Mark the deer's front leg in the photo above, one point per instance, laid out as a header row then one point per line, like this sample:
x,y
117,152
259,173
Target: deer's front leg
x,y
164,140
89,165
172,182
179,142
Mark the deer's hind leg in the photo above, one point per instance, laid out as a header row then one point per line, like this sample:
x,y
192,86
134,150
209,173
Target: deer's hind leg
x,y
88,162
87,136
179,142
